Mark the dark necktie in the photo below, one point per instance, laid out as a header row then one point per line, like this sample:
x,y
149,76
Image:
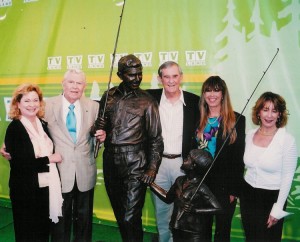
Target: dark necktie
x,y
71,122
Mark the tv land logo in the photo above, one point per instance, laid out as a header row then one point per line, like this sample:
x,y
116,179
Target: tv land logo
x,y
7,101
168,56
192,58
117,58
54,63
74,62
5,3
195,58
96,61
145,57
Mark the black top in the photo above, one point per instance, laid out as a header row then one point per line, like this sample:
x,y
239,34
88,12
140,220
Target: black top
x,y
226,175
23,181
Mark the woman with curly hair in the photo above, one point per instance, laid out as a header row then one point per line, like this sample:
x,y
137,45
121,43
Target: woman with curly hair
x,y
270,160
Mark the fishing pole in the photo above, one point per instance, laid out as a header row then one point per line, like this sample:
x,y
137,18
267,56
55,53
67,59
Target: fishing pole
x,y
98,144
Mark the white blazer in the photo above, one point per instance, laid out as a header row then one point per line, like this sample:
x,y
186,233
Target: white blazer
x,y
78,159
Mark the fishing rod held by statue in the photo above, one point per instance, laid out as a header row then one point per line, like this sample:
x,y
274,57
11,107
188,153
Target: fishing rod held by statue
x,y
227,137
100,120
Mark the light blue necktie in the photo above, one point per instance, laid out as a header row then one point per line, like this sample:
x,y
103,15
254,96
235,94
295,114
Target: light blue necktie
x,y
71,122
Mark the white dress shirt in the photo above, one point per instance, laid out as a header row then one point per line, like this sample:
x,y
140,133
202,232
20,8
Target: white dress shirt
x,y
171,117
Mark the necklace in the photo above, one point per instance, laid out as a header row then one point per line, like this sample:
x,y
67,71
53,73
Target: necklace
x,y
216,119
266,133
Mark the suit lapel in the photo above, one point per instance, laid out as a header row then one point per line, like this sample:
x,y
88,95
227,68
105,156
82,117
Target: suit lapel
x,y
156,93
84,118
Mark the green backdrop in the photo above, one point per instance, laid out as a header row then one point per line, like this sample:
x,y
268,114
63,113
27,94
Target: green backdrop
x,y
236,39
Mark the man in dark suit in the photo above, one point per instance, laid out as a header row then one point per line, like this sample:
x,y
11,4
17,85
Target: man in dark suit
x,y
179,114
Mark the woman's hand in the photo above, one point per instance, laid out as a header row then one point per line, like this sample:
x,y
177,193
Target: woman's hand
x,y
4,153
232,198
55,158
271,221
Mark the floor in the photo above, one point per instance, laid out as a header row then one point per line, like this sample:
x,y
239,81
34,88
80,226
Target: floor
x,y
102,231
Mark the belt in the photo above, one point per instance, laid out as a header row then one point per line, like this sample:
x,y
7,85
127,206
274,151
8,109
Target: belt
x,y
125,148
171,156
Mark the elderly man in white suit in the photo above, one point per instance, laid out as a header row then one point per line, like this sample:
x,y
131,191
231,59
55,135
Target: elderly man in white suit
x,y
78,169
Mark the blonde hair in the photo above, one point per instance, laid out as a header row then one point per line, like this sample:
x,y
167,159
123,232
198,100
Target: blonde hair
x,y
18,94
227,114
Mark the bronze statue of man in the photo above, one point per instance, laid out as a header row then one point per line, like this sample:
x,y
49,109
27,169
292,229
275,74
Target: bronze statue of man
x,y
133,146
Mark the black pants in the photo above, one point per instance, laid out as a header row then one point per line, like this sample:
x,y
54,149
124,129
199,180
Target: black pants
x,y
256,205
224,219
77,208
122,172
31,216
183,236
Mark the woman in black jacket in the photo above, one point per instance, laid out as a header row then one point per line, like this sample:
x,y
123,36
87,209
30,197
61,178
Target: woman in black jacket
x,y
217,121
33,170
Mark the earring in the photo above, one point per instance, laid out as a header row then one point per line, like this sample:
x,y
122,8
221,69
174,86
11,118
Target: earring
x,y
278,122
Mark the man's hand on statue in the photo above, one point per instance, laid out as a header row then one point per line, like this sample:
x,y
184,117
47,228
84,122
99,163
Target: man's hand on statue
x,y
149,176
100,135
99,124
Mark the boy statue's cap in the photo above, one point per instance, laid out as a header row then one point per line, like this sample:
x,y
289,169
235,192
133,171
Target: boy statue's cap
x,y
201,158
